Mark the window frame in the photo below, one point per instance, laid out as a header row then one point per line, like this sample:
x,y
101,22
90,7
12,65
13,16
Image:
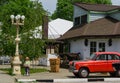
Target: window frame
x,y
77,21
93,48
83,19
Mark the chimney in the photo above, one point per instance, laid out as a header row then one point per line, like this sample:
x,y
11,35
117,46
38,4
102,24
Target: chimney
x,y
45,27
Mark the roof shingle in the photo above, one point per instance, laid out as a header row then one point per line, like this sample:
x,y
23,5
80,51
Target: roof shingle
x,y
103,27
97,7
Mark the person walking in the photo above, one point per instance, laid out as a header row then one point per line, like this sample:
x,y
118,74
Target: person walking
x,y
27,66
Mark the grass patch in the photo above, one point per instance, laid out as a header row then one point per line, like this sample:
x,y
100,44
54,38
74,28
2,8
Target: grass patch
x,y
32,70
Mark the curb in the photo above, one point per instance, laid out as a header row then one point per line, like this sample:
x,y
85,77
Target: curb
x,y
25,80
45,80
112,79
70,80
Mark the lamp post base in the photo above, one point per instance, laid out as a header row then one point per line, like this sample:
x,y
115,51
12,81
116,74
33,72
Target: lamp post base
x,y
16,65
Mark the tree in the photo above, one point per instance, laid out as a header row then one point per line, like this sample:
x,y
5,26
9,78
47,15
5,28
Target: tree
x,y
65,8
33,12
93,1
2,2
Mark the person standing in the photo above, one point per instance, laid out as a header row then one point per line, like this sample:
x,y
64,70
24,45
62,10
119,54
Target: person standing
x,y
27,66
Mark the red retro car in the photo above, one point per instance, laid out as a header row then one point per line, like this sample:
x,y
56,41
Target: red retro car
x,y
99,62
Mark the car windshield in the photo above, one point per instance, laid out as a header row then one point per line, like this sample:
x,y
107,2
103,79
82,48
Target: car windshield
x,y
92,57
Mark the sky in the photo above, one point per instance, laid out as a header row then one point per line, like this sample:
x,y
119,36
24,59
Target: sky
x,y
50,5
116,2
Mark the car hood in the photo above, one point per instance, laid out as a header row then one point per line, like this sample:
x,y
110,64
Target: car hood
x,y
84,61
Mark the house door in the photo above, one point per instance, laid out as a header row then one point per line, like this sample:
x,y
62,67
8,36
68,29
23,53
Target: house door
x,y
97,46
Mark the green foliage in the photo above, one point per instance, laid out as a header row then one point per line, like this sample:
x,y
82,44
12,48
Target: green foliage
x,y
33,18
32,70
64,10
32,46
2,2
65,7
32,12
93,1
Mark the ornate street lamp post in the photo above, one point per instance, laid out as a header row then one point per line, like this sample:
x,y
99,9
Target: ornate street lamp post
x,y
18,21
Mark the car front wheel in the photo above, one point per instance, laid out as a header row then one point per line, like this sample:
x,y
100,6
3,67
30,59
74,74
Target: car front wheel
x,y
83,72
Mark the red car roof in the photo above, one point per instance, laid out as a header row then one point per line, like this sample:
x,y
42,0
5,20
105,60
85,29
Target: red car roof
x,y
108,53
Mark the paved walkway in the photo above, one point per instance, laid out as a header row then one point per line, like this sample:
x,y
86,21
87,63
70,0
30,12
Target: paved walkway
x,y
63,73
5,78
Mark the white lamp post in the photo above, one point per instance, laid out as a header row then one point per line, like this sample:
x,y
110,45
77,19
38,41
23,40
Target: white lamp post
x,y
18,21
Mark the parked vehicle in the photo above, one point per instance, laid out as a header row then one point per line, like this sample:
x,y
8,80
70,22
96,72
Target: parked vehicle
x,y
99,62
4,60
67,57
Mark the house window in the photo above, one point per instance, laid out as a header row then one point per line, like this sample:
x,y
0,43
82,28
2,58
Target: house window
x,y
93,46
80,20
83,19
77,21
102,46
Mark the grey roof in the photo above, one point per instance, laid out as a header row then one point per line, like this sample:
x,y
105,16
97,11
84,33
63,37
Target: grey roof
x,y
100,28
97,7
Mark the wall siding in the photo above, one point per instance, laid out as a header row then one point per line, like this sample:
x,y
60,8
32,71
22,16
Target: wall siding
x,y
93,17
78,46
115,45
79,11
116,16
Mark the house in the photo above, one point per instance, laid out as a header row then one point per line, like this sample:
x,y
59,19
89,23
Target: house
x,y
96,28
